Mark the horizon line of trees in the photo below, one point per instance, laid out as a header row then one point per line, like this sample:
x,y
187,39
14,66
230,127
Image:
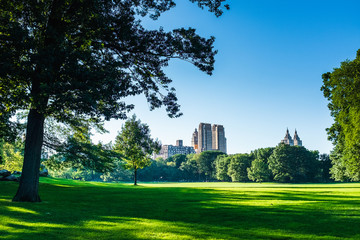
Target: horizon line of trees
x,y
283,163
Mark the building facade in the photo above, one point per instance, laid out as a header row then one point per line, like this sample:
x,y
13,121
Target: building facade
x,y
209,138
170,150
205,137
292,142
218,138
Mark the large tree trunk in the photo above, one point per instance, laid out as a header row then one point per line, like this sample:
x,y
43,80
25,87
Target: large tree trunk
x,y
135,176
29,181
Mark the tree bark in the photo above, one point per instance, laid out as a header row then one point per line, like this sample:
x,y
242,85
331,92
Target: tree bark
x,y
135,176
29,181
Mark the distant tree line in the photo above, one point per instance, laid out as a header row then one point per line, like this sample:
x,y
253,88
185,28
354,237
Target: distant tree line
x,y
284,163
76,157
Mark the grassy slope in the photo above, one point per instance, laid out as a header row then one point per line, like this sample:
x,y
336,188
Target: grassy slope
x,y
80,210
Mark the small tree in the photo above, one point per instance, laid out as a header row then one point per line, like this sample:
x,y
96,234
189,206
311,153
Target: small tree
x,y
136,145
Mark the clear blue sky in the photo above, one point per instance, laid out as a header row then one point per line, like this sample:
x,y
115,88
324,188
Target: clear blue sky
x,y
267,73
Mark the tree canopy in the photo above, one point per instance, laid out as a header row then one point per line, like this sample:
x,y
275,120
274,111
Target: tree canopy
x,y
237,168
259,171
78,151
342,88
221,165
206,163
79,59
68,58
294,164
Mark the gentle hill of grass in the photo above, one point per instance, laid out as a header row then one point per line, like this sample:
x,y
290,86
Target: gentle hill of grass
x,y
88,210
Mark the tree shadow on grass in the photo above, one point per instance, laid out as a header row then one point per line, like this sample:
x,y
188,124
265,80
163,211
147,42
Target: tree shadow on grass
x,y
115,211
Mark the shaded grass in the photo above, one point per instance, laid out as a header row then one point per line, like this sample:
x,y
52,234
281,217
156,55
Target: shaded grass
x,y
88,210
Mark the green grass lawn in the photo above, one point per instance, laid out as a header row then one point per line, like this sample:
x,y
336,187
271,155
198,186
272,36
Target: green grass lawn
x,y
87,210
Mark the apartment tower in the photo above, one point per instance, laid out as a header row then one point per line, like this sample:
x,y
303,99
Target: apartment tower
x,y
218,138
209,138
205,137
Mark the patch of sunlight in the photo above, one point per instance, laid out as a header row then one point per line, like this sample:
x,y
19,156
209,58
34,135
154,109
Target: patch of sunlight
x,y
4,200
215,185
262,203
12,225
140,228
266,233
62,185
45,225
5,228
22,210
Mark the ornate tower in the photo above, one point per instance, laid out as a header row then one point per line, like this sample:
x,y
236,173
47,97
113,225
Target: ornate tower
x,y
287,139
297,141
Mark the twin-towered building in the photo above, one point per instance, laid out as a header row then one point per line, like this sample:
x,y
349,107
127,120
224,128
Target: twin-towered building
x,y
209,138
292,142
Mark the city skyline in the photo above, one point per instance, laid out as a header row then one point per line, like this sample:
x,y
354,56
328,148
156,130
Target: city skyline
x,y
267,72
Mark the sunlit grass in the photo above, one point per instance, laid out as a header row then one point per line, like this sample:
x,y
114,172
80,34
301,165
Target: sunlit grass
x,y
21,210
91,210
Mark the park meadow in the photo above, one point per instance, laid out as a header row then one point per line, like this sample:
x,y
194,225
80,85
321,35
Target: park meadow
x,y
73,209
